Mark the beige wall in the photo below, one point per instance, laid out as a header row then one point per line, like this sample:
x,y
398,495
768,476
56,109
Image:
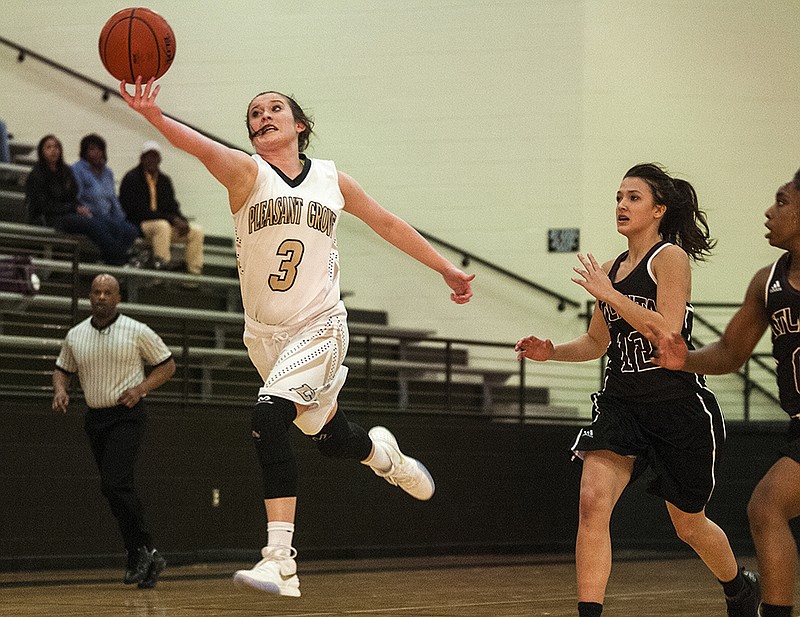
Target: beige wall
x,y
484,123
706,88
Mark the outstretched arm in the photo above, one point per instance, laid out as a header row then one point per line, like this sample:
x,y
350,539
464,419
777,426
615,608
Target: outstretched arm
x,y
234,169
731,351
589,346
397,232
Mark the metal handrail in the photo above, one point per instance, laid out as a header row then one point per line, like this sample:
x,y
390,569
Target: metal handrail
x,y
468,257
189,357
442,357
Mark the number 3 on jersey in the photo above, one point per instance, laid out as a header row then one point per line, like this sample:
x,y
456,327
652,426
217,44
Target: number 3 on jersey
x,y
283,280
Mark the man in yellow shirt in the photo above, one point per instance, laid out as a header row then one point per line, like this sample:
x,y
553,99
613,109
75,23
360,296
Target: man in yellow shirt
x,y
148,198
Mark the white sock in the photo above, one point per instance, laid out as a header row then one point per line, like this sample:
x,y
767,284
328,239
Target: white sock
x,y
280,533
379,460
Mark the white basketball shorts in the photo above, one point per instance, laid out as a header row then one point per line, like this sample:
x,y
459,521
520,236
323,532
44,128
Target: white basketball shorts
x,y
302,364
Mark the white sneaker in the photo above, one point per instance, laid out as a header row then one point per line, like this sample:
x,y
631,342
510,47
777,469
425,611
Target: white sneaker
x,y
406,472
275,573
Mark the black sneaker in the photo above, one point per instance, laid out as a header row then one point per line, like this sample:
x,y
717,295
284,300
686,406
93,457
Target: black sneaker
x,y
139,562
745,603
157,565
166,266
138,257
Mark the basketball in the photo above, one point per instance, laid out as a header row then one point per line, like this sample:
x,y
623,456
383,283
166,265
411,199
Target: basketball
x,y
137,41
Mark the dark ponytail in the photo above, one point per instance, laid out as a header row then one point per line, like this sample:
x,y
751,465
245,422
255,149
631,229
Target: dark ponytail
x,y
684,223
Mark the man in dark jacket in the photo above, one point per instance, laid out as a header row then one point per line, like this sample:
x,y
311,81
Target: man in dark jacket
x,y
148,198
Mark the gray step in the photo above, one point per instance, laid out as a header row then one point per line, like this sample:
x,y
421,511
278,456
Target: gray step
x,y
12,207
22,154
13,176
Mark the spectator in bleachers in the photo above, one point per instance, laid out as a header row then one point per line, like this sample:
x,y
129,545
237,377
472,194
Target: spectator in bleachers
x,y
96,191
51,193
148,199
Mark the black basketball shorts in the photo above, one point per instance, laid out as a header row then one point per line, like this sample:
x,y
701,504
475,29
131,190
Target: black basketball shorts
x,y
792,446
679,440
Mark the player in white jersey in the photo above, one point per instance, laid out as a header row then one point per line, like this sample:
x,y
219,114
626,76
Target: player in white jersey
x,y
285,208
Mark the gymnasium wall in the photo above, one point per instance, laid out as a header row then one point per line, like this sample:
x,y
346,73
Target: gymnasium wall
x,y
484,123
501,488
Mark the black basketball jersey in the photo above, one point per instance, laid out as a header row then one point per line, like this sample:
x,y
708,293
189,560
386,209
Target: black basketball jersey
x,y
630,374
783,308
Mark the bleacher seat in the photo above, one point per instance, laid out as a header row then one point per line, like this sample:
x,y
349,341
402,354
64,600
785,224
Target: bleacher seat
x,y
13,207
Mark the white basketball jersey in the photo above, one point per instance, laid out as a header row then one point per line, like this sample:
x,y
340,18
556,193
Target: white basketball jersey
x,y
286,244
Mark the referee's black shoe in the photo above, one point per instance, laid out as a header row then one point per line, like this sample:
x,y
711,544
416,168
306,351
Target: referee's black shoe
x,y
745,603
156,566
139,562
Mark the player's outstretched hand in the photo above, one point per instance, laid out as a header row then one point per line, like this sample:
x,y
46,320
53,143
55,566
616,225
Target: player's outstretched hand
x,y
534,348
593,277
670,351
459,282
143,98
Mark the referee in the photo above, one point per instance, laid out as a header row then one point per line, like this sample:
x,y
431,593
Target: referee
x,y
108,351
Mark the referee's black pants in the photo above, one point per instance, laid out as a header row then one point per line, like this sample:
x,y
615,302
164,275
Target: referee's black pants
x,y
115,435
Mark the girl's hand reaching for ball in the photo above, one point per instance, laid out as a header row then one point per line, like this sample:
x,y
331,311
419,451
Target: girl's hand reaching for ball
x,y
143,98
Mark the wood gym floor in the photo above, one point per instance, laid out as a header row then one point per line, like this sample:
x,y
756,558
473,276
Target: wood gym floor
x,y
474,586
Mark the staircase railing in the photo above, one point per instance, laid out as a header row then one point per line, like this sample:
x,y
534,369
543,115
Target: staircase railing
x,y
106,92
467,258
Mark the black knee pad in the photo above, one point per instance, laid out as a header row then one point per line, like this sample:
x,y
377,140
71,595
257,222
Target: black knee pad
x,y
342,439
270,424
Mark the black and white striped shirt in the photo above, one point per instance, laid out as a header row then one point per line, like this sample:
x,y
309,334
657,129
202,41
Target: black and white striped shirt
x,y
108,361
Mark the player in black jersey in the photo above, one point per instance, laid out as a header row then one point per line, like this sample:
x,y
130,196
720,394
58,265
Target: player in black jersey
x,y
772,301
645,415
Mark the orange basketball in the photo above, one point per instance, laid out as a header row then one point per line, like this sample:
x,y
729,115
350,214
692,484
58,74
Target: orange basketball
x,y
135,42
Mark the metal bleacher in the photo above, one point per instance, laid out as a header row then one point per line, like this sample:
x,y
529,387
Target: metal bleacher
x,y
397,368
390,367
